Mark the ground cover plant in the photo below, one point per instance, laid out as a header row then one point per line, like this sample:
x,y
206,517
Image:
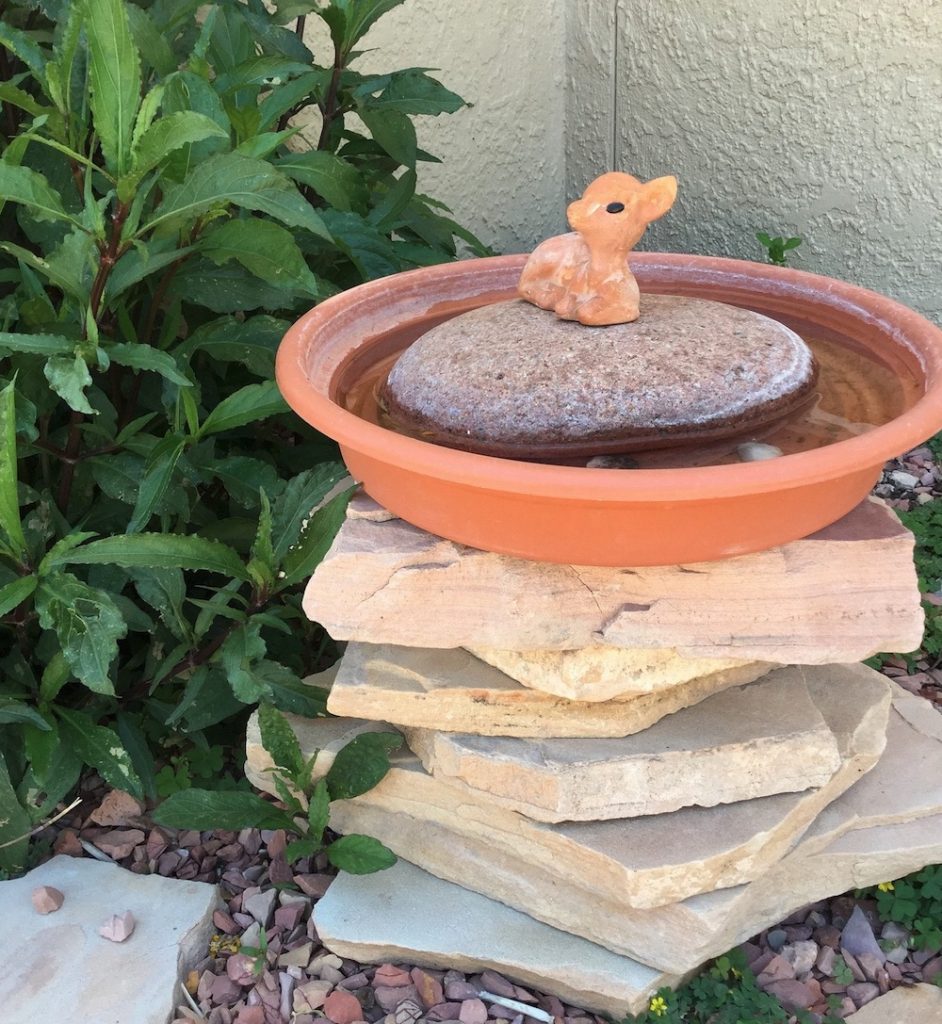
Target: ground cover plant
x,y
161,225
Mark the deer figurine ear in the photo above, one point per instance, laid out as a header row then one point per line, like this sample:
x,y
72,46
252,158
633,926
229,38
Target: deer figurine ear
x,y
658,197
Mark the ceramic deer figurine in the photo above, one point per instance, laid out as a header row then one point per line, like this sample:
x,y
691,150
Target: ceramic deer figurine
x,y
584,275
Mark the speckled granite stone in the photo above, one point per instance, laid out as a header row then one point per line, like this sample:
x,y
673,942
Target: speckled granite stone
x,y
511,379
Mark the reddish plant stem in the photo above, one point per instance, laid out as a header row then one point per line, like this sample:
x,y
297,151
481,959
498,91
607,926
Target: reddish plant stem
x,y
329,110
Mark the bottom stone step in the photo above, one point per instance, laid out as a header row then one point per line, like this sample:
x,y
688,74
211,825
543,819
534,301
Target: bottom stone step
x,y
406,914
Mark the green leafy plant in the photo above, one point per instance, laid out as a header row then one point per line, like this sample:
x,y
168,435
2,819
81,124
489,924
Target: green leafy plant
x,y
162,223
357,767
843,975
915,902
777,248
925,521
725,993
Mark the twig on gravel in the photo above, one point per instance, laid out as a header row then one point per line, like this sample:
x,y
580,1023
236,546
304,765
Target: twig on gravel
x,y
93,851
193,1003
512,1004
43,824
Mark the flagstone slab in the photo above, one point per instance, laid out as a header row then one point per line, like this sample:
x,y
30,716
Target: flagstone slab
x,y
602,672
743,743
406,914
910,1004
841,594
60,968
454,691
637,862
885,826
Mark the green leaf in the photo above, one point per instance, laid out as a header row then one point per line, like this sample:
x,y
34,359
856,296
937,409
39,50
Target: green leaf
x,y
158,472
15,825
227,289
393,131
164,591
270,71
412,91
69,378
338,182
279,740
243,478
247,405
150,41
252,342
15,711
36,344
288,693
267,250
115,78
262,561
368,249
135,743
208,809
299,500
14,594
146,357
360,16
361,764
101,748
67,543
232,179
293,94
316,537
238,655
318,812
22,46
360,855
386,212
160,551
87,623
30,188
55,675
162,138
10,524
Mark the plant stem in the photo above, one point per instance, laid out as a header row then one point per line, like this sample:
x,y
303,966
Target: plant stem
x,y
329,110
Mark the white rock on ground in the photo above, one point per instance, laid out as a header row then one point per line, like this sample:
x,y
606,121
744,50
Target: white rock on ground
x,y
744,743
405,914
60,968
389,582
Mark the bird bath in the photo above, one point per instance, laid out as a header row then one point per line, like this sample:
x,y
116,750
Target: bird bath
x,y
879,393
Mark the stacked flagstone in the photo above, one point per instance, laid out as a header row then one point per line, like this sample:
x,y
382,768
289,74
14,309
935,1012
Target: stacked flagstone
x,y
659,762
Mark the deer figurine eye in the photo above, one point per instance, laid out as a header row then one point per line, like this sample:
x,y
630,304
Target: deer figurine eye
x,y
614,207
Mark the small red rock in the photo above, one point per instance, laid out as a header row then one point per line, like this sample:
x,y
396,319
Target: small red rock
x,y
224,922
427,988
68,844
251,1015
118,927
120,843
343,1008
241,969
473,1011
46,899
289,916
116,809
391,977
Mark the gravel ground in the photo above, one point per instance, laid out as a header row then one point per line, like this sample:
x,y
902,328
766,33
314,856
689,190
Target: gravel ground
x,y
827,949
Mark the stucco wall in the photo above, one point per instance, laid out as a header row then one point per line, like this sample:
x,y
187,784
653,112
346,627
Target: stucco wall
x,y
814,117
821,118
502,167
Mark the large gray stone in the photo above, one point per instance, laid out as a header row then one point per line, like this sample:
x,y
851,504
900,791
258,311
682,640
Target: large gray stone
x,y
405,914
454,691
841,594
748,742
59,968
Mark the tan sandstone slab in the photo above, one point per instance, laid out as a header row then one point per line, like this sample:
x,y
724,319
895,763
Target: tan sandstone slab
x,y
406,914
740,744
916,1004
638,862
887,825
841,594
454,691
602,672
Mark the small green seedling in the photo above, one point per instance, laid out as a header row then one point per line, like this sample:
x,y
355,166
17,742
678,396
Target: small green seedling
x,y
776,248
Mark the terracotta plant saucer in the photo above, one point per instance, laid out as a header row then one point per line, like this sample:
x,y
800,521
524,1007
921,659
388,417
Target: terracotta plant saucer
x,y
578,515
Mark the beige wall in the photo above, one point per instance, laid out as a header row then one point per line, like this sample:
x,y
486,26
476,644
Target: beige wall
x,y
816,117
503,170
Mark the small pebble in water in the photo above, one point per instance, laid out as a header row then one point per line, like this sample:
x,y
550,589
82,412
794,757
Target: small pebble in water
x,y
612,462
755,451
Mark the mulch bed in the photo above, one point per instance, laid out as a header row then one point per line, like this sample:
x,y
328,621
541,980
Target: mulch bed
x,y
289,977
